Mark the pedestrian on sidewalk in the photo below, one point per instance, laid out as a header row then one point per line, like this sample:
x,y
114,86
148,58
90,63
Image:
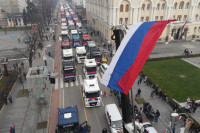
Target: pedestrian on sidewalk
x,y
14,125
138,93
111,92
104,130
49,54
20,70
157,115
11,130
22,65
38,70
24,74
14,66
5,99
10,99
174,128
47,37
18,40
104,93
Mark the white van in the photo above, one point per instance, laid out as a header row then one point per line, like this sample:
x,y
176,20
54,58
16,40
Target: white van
x,y
114,118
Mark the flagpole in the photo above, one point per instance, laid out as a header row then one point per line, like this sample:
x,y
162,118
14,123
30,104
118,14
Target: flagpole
x,y
126,110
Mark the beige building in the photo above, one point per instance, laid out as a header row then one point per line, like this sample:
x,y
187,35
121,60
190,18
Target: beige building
x,y
103,14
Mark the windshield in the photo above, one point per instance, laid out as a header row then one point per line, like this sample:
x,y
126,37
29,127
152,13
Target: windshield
x,y
67,58
65,38
66,47
81,54
87,39
97,56
69,71
91,69
117,124
70,129
92,95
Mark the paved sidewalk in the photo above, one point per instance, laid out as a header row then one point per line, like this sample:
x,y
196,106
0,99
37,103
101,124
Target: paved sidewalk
x,y
24,111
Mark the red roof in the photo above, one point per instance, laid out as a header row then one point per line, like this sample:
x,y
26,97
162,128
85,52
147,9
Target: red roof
x,y
86,36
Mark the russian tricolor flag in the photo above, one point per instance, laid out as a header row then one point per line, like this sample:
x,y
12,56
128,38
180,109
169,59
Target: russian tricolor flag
x,y
132,54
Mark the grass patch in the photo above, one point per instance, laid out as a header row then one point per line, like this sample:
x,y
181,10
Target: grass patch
x,y
177,78
22,93
42,125
139,100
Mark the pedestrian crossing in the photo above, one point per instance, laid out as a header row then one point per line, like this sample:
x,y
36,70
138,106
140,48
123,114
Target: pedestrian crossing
x,y
59,82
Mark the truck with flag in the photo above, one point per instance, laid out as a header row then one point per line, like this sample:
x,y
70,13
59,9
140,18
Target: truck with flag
x,y
80,54
68,121
69,71
76,40
91,93
90,68
85,38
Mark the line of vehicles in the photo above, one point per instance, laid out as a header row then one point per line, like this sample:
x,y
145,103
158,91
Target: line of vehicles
x,y
74,36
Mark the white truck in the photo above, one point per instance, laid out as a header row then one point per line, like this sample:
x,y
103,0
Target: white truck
x,y
67,55
90,68
91,93
80,54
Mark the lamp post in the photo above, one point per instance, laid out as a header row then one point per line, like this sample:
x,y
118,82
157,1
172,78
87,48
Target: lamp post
x,y
173,119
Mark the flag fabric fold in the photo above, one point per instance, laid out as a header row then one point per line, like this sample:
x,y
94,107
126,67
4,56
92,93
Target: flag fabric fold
x,y
132,54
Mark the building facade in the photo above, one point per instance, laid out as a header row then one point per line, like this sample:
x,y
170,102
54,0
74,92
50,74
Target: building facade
x,y
103,14
12,12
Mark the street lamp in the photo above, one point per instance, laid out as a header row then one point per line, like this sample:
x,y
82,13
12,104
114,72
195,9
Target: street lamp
x,y
173,118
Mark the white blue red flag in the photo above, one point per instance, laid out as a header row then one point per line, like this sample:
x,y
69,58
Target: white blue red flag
x,y
132,54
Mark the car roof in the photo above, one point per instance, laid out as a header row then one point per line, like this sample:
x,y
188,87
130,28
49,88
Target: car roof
x,y
105,65
114,112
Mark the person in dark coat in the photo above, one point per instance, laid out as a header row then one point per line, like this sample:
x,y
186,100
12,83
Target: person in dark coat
x,y
5,99
10,99
104,130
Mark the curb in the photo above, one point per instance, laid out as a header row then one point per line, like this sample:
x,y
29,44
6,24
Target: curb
x,y
9,94
50,100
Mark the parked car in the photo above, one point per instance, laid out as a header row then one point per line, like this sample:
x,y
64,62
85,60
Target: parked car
x,y
27,39
103,67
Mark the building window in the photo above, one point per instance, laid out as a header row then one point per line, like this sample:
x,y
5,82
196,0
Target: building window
x,y
127,8
147,19
185,18
148,6
156,18
158,7
187,5
143,6
181,5
199,5
142,19
199,30
175,5
179,18
121,8
195,29
196,17
163,6
126,20
161,17
120,20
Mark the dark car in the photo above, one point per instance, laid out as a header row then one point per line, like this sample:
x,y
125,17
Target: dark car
x,y
27,39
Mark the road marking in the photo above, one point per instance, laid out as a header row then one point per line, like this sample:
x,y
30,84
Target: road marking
x,y
102,102
98,76
76,82
17,59
80,78
66,84
63,98
56,84
97,118
71,83
83,105
61,82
